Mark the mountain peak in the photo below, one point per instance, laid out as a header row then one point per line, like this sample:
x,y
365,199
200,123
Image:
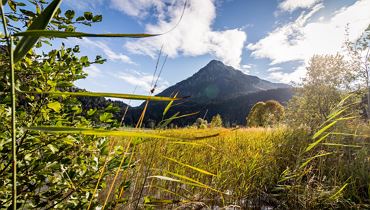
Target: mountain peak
x,y
215,62
216,66
219,81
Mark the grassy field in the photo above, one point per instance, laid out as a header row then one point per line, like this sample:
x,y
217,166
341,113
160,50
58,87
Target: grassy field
x,y
245,168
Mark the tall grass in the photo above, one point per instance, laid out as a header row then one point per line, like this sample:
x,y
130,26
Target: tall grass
x,y
235,167
250,168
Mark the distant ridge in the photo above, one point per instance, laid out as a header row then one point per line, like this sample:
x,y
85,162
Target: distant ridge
x,y
217,81
215,88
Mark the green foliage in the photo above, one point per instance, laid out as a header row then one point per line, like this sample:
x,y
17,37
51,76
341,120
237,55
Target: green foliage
x,y
328,78
359,55
265,114
216,121
341,141
58,167
40,22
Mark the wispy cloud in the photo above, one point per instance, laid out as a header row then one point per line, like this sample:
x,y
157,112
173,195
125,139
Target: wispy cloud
x,y
291,5
111,55
194,35
142,80
246,68
83,5
138,8
294,40
289,77
307,36
93,71
273,69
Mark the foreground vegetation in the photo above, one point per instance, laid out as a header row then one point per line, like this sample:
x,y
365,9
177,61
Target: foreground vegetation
x,y
249,168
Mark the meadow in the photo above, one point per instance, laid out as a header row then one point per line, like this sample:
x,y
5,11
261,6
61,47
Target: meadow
x,y
246,168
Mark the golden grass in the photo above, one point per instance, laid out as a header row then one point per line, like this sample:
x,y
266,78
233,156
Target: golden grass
x,y
245,163
248,167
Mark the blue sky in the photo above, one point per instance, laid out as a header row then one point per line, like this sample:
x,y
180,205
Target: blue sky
x,y
272,39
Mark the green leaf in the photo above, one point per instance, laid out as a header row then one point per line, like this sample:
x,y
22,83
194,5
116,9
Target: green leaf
x,y
322,130
111,95
12,6
88,15
91,112
69,14
27,12
312,158
81,18
106,117
66,34
52,148
97,18
4,2
168,106
28,157
40,22
13,17
338,193
95,132
56,106
20,4
312,145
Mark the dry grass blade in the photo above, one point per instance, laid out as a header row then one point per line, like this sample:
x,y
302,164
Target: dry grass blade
x,y
169,105
166,178
117,173
169,191
191,167
322,130
341,145
65,34
312,145
337,194
312,158
166,122
111,95
191,180
95,132
100,175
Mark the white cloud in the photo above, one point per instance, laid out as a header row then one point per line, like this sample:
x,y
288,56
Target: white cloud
x,y
93,71
246,66
193,36
272,69
142,80
288,77
111,55
291,5
303,38
138,8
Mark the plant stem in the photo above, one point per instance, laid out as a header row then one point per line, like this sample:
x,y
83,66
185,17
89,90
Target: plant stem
x,y
4,24
14,137
9,40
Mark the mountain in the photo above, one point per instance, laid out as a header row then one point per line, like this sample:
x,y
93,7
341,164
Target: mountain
x,y
215,89
216,81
